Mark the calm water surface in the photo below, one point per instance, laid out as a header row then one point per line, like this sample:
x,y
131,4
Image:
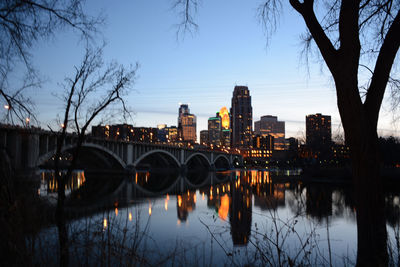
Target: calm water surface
x,y
206,218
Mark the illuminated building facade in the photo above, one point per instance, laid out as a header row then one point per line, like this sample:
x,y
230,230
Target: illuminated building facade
x,y
167,134
144,134
318,132
242,117
225,127
186,124
126,132
214,131
172,135
269,125
189,128
162,133
120,132
204,137
262,147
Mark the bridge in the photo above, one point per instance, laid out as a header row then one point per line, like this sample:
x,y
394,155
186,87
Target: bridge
x,y
30,148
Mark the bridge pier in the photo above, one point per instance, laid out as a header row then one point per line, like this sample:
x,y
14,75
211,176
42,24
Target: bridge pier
x,y
212,167
183,169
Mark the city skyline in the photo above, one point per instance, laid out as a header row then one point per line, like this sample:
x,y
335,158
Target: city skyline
x,y
199,69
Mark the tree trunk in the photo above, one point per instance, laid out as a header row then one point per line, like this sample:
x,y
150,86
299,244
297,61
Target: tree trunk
x,y
361,136
370,203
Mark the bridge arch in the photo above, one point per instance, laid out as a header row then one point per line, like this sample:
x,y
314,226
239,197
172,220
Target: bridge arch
x,y
137,161
197,154
150,193
43,158
222,156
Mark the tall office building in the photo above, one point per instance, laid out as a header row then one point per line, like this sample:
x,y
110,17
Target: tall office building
x,y
225,127
214,130
186,124
269,125
204,137
318,131
183,109
242,117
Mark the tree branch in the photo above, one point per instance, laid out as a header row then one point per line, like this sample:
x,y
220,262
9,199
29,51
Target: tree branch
x,y
383,67
328,51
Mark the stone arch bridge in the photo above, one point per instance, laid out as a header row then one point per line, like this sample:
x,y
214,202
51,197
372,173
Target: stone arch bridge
x,y
30,148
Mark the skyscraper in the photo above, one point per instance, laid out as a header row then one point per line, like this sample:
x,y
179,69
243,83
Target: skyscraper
x,y
214,130
225,127
186,124
269,125
318,131
204,137
242,117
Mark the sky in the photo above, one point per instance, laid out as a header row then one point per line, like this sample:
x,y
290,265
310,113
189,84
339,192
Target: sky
x,y
200,69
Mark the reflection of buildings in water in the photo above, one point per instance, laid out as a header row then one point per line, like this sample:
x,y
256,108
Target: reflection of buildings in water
x,y
318,201
240,212
270,196
49,184
218,199
185,203
224,207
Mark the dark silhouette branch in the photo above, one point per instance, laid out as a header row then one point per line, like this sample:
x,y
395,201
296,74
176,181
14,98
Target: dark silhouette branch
x,y
383,67
328,51
23,23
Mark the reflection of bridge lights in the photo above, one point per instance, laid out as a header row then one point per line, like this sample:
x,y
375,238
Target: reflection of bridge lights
x,y
150,210
194,198
130,216
202,196
116,211
105,223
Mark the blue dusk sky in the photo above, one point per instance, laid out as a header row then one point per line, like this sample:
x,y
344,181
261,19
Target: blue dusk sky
x,y
201,69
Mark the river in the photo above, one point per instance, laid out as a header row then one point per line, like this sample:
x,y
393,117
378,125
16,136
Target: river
x,y
239,217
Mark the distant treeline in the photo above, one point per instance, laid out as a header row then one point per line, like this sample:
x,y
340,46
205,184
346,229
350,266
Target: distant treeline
x,y
390,151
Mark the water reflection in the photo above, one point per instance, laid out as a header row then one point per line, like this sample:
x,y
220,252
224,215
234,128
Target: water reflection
x,y
49,184
238,202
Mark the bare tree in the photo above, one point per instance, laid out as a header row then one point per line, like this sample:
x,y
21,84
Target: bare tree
x,y
93,89
352,36
22,24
